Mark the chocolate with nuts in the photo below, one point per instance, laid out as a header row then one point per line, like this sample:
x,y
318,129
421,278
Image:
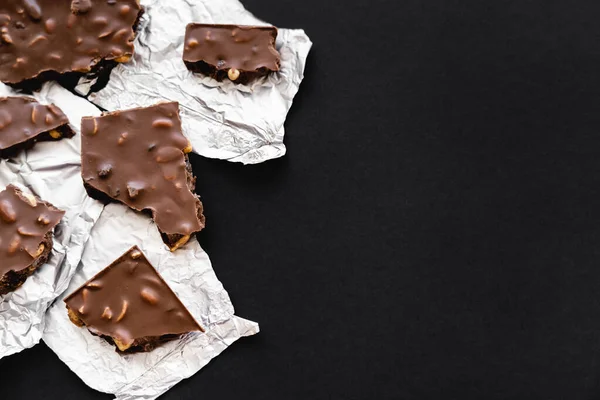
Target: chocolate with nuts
x,y
24,121
139,157
130,305
41,37
241,53
26,225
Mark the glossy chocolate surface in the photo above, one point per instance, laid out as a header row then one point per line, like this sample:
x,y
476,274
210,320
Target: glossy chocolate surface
x,y
138,157
128,301
232,50
62,36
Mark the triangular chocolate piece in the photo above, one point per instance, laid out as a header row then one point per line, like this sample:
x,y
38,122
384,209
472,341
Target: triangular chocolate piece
x,y
24,121
130,305
139,157
26,225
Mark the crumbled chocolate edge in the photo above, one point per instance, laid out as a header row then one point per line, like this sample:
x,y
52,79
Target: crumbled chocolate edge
x,y
65,130
140,345
12,280
169,239
212,71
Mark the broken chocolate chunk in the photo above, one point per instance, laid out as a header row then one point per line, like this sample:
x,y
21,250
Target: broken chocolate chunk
x,y
240,53
116,165
130,305
24,121
41,39
26,225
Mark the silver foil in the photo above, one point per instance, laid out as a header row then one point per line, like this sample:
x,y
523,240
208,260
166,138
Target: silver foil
x,y
222,120
188,272
50,170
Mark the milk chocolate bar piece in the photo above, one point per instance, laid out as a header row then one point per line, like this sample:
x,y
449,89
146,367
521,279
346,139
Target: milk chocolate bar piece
x,y
41,39
26,225
24,121
241,53
139,157
130,305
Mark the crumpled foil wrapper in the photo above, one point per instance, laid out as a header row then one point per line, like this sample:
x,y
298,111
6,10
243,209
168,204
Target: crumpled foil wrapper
x,y
187,271
223,120
52,171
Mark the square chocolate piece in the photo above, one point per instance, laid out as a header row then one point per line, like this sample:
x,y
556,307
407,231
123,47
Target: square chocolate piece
x,y
139,157
26,225
130,305
41,39
241,53
24,121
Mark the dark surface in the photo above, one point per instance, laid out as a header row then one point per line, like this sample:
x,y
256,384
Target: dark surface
x,y
433,232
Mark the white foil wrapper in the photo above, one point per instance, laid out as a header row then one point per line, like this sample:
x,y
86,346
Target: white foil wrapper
x,y
222,120
189,274
50,170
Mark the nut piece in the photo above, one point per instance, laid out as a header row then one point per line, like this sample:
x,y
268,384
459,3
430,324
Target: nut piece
x,y
14,245
30,199
149,296
121,344
33,9
74,317
107,313
7,212
233,74
123,59
93,286
188,148
162,123
181,242
23,232
54,134
136,254
39,251
123,311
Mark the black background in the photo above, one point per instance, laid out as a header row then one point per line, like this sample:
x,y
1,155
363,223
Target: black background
x,y
433,231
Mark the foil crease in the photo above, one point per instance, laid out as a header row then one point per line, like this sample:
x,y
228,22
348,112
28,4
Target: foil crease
x,y
50,170
187,271
223,120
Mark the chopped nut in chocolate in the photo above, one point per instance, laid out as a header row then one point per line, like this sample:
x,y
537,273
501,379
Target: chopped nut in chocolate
x,y
130,305
241,53
23,122
26,225
38,37
138,157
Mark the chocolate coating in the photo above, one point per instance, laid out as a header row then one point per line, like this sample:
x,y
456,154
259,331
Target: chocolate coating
x,y
239,52
137,157
129,303
25,222
23,121
37,36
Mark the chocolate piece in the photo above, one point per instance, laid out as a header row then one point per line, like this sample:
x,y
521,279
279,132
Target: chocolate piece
x,y
130,305
138,157
26,225
241,53
40,39
24,121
